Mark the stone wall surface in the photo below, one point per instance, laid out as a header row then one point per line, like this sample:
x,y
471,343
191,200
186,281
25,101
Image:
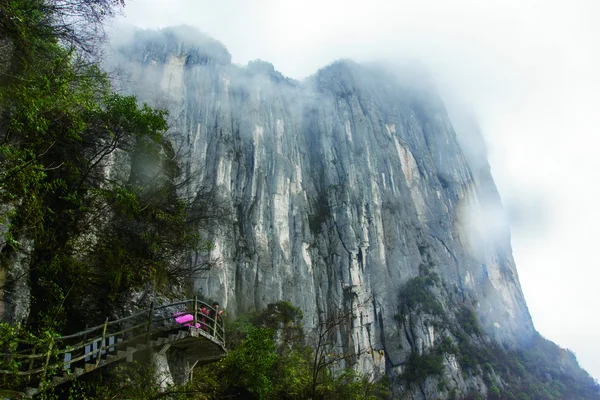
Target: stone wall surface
x,y
341,187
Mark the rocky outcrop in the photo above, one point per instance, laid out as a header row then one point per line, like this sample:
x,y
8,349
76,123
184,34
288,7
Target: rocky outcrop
x,y
343,187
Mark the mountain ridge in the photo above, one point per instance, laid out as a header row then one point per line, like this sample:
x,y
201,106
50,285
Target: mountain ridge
x,y
345,187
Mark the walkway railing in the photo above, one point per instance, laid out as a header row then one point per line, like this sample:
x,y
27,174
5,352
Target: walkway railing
x,y
87,347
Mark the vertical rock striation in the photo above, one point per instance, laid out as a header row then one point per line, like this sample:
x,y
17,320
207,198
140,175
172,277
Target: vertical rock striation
x,y
342,188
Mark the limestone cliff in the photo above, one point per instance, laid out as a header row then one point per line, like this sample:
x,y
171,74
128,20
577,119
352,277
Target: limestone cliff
x,y
343,189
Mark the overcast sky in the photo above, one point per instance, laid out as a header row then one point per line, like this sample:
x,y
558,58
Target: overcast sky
x,y
529,70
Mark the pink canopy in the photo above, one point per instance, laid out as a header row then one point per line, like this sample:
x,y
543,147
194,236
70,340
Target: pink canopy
x,y
185,319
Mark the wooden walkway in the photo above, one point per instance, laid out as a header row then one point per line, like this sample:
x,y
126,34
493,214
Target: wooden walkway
x,y
153,329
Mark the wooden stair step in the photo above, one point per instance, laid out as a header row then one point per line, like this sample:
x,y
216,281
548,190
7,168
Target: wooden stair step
x,y
89,367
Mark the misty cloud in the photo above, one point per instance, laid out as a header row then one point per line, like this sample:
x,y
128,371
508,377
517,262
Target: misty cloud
x,y
527,73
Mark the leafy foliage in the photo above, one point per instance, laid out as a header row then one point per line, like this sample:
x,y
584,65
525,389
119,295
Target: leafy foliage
x,y
16,342
125,381
416,296
86,226
251,363
88,184
269,359
420,366
354,386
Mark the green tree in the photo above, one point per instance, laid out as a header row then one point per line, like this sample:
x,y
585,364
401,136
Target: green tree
x,y
250,365
61,127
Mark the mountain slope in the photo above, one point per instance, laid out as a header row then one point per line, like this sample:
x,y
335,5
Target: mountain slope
x,y
348,192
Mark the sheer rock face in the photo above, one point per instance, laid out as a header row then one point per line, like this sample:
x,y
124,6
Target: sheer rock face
x,y
341,188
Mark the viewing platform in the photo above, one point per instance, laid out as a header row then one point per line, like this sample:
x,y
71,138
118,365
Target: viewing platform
x,y
189,325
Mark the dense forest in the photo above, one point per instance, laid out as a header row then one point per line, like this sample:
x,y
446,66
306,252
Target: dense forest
x,y
91,211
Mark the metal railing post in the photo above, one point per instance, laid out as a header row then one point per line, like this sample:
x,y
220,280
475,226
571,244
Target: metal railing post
x,y
85,349
216,315
149,325
99,355
46,363
31,362
195,311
